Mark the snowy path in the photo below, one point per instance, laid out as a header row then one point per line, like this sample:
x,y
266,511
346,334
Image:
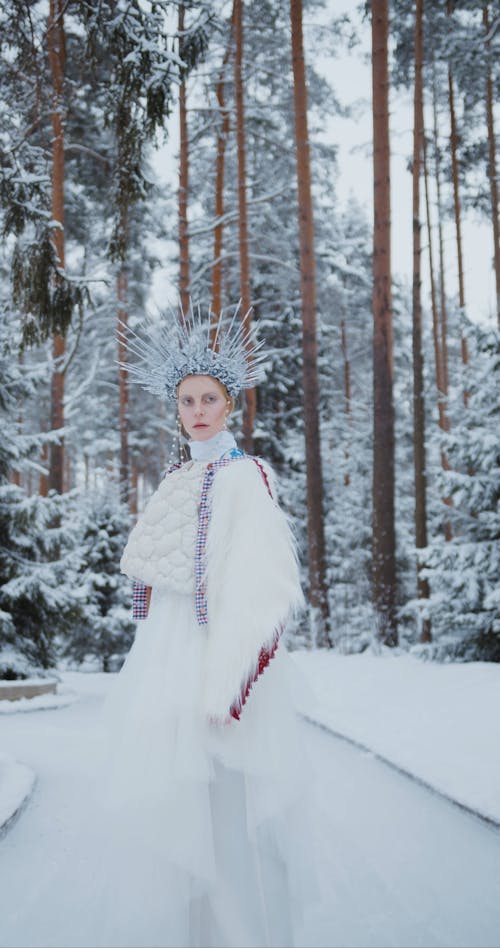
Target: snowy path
x,y
404,867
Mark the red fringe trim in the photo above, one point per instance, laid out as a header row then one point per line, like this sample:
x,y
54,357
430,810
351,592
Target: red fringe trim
x,y
265,656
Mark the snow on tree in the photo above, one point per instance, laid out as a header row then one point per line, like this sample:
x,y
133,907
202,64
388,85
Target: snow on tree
x,y
37,588
464,572
105,631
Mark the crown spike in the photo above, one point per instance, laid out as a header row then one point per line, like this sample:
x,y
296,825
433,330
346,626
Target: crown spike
x,y
193,344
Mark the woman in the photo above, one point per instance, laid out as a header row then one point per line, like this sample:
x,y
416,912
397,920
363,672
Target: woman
x,y
199,816
219,556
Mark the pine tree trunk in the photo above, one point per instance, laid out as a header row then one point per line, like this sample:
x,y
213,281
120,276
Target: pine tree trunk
x,y
223,128
317,560
347,391
384,541
418,364
134,506
492,164
458,221
43,482
250,394
67,470
122,293
55,39
184,277
443,419
15,473
442,284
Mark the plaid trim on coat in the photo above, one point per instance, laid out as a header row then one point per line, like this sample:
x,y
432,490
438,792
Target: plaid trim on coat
x,y
141,598
201,538
141,593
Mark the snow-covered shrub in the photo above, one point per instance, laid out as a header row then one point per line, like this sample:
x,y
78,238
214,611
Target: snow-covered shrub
x,y
37,595
105,630
464,573
14,665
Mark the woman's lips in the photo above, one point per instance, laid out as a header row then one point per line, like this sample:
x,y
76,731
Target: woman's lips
x,y
201,426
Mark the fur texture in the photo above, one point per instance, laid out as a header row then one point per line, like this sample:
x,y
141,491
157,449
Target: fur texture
x,y
253,583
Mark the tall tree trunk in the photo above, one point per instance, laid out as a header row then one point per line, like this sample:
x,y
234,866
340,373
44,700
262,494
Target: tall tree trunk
x,y
184,278
15,473
67,470
492,163
55,39
250,394
440,214
43,480
418,364
122,299
347,391
134,505
316,541
443,419
384,540
223,128
458,220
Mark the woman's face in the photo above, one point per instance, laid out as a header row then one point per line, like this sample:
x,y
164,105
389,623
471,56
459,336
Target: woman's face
x,y
203,405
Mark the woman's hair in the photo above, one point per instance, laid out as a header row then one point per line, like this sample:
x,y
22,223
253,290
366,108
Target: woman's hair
x,y
229,398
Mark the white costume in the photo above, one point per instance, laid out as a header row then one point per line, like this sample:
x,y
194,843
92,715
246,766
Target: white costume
x,y
201,817
210,818
214,803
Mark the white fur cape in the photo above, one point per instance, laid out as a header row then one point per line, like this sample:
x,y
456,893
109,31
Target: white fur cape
x,y
252,579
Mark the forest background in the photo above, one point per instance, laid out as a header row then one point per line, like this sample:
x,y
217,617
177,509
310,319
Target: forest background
x,y
147,146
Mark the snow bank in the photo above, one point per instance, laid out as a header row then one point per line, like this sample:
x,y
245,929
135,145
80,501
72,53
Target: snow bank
x,y
47,702
439,722
16,785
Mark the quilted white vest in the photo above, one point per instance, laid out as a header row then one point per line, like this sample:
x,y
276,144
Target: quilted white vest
x,y
161,547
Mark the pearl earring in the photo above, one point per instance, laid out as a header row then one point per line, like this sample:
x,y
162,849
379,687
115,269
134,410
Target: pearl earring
x,y
174,450
181,447
177,449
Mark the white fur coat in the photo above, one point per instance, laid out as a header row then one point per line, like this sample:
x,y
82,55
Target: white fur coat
x,y
252,577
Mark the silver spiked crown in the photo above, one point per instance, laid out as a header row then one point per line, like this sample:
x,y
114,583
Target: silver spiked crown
x,y
182,344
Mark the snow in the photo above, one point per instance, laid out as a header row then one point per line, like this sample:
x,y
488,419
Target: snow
x,y
438,722
8,683
38,703
16,784
403,867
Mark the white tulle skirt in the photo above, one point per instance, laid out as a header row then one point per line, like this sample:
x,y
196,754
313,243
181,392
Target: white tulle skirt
x,y
195,835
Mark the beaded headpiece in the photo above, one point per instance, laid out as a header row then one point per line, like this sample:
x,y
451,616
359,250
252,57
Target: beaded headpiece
x,y
184,344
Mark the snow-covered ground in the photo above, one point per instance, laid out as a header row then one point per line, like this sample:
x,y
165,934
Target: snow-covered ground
x,y
402,867
16,785
438,722
49,702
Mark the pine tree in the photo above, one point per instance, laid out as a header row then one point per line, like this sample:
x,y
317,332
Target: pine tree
x,y
464,604
105,632
38,592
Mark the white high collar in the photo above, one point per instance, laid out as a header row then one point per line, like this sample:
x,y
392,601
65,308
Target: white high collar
x,y
213,447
